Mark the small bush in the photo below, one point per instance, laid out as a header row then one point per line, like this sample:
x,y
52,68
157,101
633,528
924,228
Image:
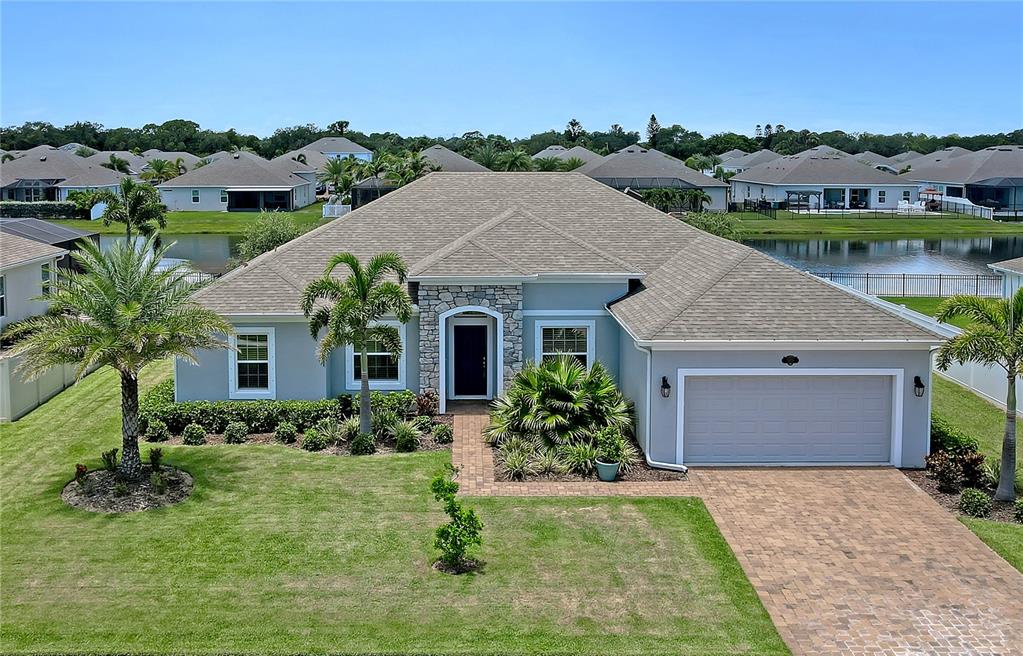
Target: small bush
x,y
946,436
975,503
548,462
235,433
580,458
286,433
193,435
516,460
383,422
423,423
120,489
464,530
157,431
427,403
443,434
946,470
313,440
974,472
109,459
156,458
159,482
402,403
1017,511
268,231
406,436
363,444
331,431
993,470
610,445
81,473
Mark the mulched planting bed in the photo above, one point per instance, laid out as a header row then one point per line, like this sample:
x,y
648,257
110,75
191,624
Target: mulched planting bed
x,y
641,472
99,494
1001,511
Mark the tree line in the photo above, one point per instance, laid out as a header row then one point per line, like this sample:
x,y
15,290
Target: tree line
x,y
675,140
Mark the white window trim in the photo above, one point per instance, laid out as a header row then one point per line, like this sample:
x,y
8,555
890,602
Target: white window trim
x,y
882,196
898,382
196,196
223,196
499,347
590,326
271,346
354,384
459,320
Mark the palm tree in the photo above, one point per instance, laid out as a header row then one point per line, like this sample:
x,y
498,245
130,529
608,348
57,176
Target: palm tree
x,y
516,159
6,157
138,206
374,167
547,164
696,198
336,173
117,164
201,163
180,165
348,311
160,170
571,164
994,337
487,155
121,311
408,168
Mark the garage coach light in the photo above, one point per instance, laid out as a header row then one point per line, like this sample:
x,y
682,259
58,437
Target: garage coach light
x,y
665,387
918,387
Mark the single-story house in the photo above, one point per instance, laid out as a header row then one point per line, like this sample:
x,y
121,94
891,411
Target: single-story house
x,y
822,178
26,268
1012,275
562,153
730,356
48,174
992,177
241,182
331,148
48,232
731,154
902,158
635,168
743,162
440,157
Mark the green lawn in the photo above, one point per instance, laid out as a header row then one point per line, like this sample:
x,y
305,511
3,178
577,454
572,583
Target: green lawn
x,y
280,550
1004,539
925,305
214,223
789,226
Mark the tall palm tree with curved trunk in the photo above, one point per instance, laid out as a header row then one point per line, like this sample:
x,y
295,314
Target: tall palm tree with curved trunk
x,y
180,165
348,312
994,337
160,170
516,159
124,312
136,205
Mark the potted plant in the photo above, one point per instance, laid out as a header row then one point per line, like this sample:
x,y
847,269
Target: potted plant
x,y
610,446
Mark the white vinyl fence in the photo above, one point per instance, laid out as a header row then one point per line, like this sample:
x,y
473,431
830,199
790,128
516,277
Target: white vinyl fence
x,y
18,396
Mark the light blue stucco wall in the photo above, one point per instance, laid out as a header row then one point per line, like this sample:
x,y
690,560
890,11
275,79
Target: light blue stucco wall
x,y
571,296
337,365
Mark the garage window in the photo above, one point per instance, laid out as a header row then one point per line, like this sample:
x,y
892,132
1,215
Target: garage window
x,y
558,338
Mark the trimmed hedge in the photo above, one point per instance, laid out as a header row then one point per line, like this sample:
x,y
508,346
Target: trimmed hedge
x,y
47,209
947,437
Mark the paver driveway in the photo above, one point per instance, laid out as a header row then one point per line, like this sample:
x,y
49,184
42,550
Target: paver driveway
x,y
847,561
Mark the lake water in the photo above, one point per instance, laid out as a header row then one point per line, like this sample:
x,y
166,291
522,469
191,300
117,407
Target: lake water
x,y
970,256
208,253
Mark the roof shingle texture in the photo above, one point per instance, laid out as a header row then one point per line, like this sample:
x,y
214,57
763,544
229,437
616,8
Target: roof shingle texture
x,y
988,165
639,162
15,250
239,170
52,164
819,165
696,286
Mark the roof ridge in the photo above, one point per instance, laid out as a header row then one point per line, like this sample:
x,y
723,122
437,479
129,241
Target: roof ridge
x,y
577,240
455,244
495,254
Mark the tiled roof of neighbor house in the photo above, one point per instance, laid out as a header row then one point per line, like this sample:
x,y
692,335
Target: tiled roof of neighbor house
x,y
171,156
314,159
46,232
902,158
335,145
51,164
815,166
694,285
751,160
15,250
938,156
562,153
731,154
449,160
639,162
238,170
1014,265
135,162
1001,165
94,176
72,146
872,158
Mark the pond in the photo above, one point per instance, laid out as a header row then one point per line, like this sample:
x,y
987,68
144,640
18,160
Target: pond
x,y
208,253
962,256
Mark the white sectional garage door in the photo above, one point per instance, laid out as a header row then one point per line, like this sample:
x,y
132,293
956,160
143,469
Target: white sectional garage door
x,y
787,419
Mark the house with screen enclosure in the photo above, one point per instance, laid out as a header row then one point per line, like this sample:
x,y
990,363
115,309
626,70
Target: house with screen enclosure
x,y
729,356
241,182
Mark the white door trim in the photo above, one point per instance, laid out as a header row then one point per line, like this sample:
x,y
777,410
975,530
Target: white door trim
x,y
470,321
897,375
442,366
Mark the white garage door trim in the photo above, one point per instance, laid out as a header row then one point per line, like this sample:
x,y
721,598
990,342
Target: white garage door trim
x,y
897,376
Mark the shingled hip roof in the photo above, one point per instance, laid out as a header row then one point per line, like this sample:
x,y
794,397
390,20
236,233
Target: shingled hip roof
x,y
691,286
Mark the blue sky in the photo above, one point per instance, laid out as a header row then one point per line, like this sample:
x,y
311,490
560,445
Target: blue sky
x,y
515,69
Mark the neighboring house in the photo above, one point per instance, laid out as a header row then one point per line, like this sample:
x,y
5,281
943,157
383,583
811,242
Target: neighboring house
x,y
903,158
992,177
743,162
48,174
938,157
879,162
731,154
822,178
241,182
1012,275
48,232
187,159
136,163
730,356
562,153
635,168
318,152
444,159
26,267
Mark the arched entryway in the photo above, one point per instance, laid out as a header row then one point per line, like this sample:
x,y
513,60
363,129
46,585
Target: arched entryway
x,y
471,354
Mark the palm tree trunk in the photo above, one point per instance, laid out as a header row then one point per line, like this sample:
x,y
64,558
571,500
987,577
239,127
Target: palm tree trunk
x,y
131,461
365,422
1007,474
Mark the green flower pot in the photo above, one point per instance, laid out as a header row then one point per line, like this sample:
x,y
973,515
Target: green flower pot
x,y
607,471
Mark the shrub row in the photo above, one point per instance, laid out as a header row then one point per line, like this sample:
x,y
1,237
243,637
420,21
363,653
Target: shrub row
x,y
946,436
49,209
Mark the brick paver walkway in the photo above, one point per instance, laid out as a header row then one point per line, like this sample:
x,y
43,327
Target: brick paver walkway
x,y
847,561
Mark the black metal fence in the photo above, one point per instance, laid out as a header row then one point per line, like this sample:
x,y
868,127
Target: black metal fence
x,y
916,284
757,207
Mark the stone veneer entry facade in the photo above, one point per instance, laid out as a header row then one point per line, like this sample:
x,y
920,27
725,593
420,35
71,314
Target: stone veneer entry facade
x,y
437,300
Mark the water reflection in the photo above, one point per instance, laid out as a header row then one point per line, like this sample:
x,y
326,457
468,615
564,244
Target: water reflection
x,y
208,253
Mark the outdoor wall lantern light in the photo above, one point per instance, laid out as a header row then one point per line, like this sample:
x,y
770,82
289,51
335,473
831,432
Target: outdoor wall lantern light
x,y
789,360
918,387
665,387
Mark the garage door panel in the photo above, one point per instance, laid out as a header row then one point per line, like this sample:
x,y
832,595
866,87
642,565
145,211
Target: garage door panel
x,y
787,419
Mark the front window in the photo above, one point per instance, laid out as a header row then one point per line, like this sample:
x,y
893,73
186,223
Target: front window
x,y
223,196
556,339
906,195
881,195
381,364
195,195
252,363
